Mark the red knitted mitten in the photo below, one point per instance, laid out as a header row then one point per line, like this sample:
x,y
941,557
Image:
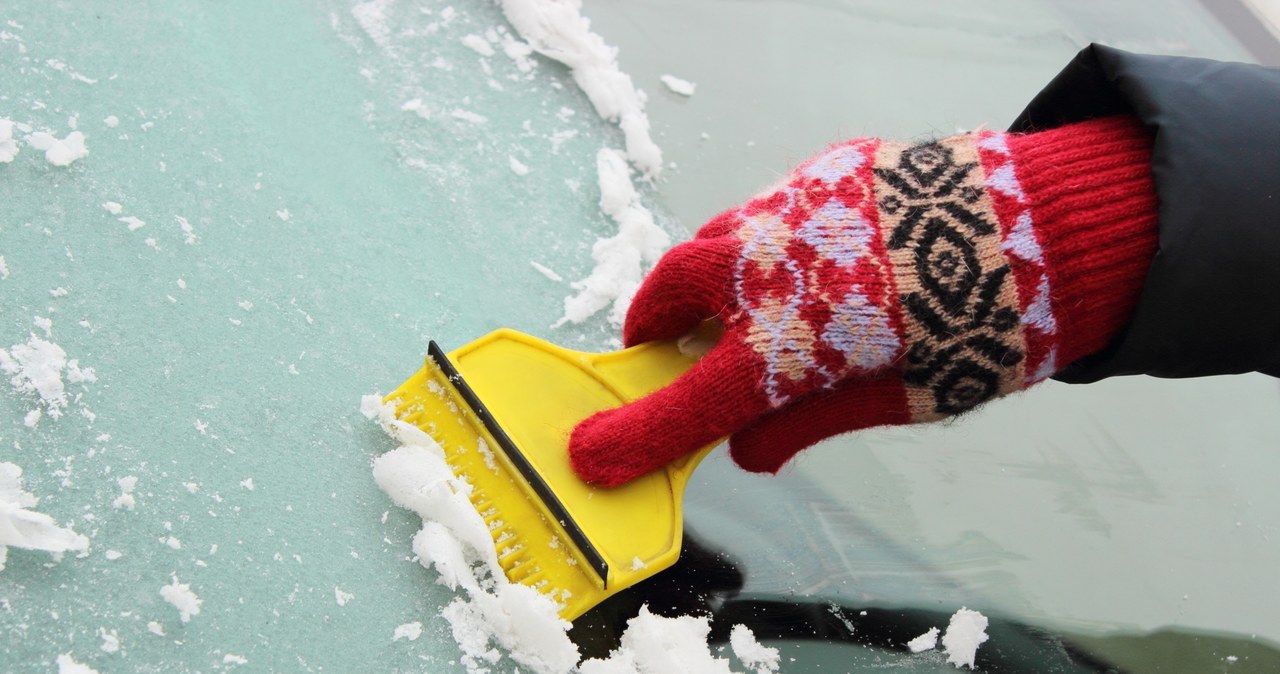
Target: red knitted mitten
x,y
883,283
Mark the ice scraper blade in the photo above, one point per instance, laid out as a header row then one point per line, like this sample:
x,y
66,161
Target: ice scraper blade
x,y
502,408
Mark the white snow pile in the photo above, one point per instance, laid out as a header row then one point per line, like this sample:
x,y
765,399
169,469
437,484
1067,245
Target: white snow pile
x,y
620,259
965,633
182,598
37,368
925,642
59,152
410,631
556,29
493,617
8,146
678,86
21,527
68,665
752,653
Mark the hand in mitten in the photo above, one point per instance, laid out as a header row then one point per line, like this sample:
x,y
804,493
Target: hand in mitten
x,y
883,283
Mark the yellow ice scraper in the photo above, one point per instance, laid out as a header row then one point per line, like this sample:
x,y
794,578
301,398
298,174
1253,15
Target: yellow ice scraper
x,y
502,407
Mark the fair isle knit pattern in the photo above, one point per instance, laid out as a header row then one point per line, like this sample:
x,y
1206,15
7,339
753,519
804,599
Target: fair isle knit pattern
x,y
812,276
875,252
1026,256
954,281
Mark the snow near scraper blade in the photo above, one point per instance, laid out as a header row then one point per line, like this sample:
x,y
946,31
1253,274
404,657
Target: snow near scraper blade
x,y
502,408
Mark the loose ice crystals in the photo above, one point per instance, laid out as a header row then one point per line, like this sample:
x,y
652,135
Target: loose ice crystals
x,y
925,642
678,86
182,598
60,152
8,146
21,527
556,29
38,368
622,258
967,631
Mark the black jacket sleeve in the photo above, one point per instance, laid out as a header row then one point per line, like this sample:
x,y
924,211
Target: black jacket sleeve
x,y
1211,302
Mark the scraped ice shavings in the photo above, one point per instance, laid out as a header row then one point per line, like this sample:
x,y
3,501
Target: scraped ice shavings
x,y
67,665
622,258
126,499
556,29
925,642
763,659
966,631
8,146
38,368
678,86
182,598
496,618
21,527
653,644
410,631
60,152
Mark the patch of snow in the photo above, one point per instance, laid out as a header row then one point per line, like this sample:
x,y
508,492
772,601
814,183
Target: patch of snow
x,y
66,665
372,17
478,44
233,659
622,258
38,367
8,146
517,167
416,107
653,644
966,631
763,659
925,642
556,29
111,121
188,231
468,116
182,598
110,640
678,86
519,53
59,152
4,269
547,272
410,631
126,500
21,527
113,207
134,223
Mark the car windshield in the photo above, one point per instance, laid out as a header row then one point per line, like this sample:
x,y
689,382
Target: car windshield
x,y
222,224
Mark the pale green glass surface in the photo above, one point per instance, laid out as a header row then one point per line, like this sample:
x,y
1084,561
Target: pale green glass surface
x,y
1064,506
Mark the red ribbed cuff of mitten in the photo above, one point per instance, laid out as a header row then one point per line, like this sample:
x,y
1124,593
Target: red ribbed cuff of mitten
x,y
1093,203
